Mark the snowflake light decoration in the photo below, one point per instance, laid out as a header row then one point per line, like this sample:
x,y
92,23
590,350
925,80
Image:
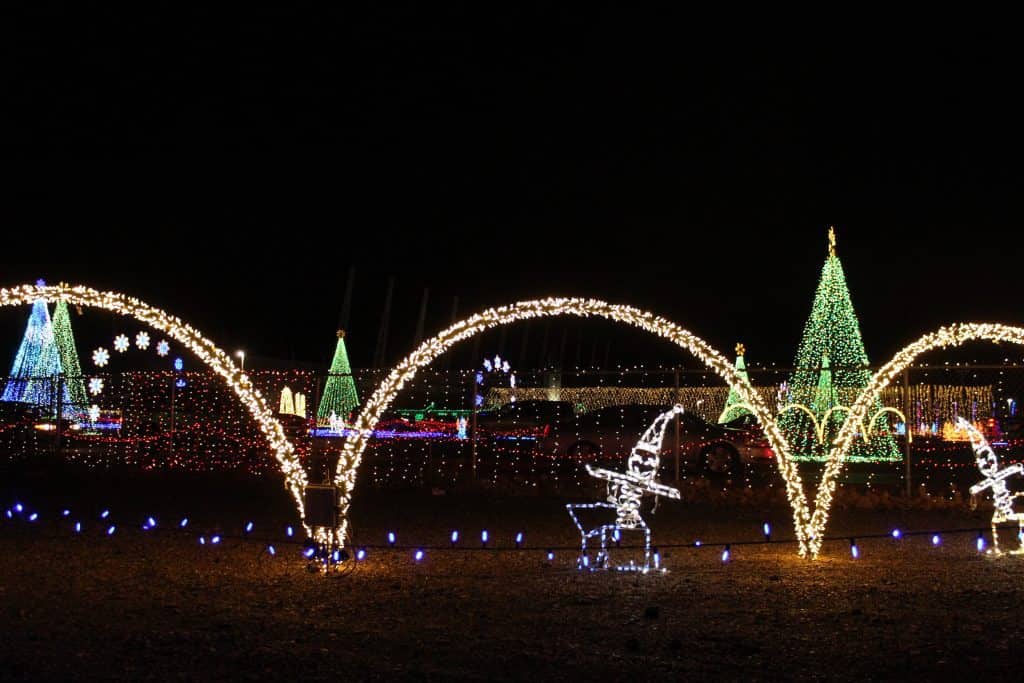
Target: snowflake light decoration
x,y
94,413
95,385
163,348
121,343
142,340
101,357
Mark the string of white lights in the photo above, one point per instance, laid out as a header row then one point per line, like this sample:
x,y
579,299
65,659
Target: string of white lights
x,y
428,351
945,337
214,358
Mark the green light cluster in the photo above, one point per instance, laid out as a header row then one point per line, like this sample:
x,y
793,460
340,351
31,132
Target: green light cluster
x,y
831,369
733,409
340,396
65,341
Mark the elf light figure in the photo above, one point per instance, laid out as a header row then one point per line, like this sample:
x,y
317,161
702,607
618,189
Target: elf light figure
x,y
995,479
625,491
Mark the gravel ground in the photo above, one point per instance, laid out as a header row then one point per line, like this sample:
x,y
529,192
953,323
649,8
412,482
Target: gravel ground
x,y
158,605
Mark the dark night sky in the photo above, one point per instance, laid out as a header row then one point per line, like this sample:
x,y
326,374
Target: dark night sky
x,y
231,168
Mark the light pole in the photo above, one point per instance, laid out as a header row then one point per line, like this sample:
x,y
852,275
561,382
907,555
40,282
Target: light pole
x,y
241,354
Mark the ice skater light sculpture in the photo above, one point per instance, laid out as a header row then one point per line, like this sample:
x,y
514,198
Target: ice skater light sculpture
x,y
995,479
625,491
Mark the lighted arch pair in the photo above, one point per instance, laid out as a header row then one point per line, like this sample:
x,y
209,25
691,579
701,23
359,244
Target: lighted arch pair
x,y
809,525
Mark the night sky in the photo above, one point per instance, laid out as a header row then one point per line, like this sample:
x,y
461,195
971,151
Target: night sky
x,y
232,167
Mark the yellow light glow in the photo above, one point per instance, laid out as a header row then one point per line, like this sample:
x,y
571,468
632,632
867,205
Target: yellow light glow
x,y
190,338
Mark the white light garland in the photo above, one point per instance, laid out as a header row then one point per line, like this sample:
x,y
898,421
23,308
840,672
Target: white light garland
x,y
995,479
357,441
945,337
207,352
625,491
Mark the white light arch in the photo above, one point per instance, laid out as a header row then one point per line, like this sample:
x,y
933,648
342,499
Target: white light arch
x,y
951,335
194,341
357,441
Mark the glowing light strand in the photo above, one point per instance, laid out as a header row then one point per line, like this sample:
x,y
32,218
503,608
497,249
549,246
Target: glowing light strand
x,y
357,441
216,359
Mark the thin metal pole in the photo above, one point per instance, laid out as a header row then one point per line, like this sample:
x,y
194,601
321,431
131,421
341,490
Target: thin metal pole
x,y
60,409
678,454
174,391
908,429
472,399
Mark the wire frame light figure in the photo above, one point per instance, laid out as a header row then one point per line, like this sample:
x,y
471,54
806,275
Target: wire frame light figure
x,y
995,480
625,493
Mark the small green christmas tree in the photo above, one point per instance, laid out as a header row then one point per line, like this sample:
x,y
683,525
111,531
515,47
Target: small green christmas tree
x,y
832,359
65,340
340,396
733,408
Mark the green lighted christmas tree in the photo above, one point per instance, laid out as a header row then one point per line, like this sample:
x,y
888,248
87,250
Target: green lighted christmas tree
x,y
733,408
65,341
831,369
340,397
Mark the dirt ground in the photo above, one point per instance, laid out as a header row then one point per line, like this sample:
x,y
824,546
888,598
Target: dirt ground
x,y
156,604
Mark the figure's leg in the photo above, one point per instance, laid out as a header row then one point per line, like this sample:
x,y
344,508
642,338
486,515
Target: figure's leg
x,y
995,535
602,557
647,545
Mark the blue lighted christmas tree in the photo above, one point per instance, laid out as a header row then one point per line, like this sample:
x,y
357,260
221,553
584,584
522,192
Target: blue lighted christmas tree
x,y
33,377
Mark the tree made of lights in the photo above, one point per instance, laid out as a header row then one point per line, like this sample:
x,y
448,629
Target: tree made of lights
x,y
734,407
340,397
78,400
37,364
832,355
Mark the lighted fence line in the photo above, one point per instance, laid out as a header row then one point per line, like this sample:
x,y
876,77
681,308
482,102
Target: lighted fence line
x,y
895,535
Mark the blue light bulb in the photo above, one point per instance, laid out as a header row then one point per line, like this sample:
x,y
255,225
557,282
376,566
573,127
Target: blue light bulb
x,y
111,530
455,537
270,549
936,540
418,556
249,527
184,523
33,517
215,540
361,554
392,538
896,533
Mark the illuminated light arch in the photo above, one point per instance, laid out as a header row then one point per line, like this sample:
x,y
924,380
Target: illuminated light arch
x,y
357,441
192,339
944,337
